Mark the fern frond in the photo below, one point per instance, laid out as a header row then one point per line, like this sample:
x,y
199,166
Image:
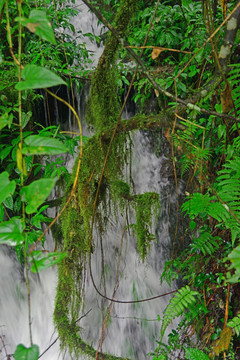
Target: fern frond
x,y
225,207
229,191
235,324
205,243
184,298
234,80
196,204
195,354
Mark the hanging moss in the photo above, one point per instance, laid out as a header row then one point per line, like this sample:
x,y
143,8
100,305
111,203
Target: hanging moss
x,y
103,110
103,107
146,204
76,227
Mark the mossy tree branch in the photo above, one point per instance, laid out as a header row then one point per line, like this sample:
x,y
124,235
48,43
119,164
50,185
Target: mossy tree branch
x,y
104,105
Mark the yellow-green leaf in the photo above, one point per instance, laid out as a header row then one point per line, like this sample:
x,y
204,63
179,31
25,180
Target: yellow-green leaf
x,y
43,145
21,162
38,23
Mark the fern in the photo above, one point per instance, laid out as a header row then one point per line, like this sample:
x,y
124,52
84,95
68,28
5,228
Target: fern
x,y
235,324
195,354
225,206
234,80
205,243
184,298
228,190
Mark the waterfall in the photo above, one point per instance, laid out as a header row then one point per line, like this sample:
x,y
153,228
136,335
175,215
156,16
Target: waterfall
x,y
133,329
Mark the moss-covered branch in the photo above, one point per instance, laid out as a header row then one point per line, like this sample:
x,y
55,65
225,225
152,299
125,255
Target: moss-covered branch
x,y
104,105
162,120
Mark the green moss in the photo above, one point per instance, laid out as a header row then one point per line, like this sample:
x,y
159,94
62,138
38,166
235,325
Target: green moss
x,y
104,105
145,205
76,227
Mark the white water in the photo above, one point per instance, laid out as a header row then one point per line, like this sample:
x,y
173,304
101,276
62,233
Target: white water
x,y
133,329
88,23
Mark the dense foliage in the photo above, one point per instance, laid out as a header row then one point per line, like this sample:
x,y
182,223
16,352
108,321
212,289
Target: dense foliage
x,y
187,57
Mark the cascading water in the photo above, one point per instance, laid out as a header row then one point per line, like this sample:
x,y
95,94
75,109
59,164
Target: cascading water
x,y
132,329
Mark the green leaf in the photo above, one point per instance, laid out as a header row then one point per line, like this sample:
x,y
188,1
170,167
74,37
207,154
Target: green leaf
x,y
37,77
25,118
11,232
7,187
1,212
38,23
186,2
5,120
234,256
35,193
2,2
43,261
23,353
8,202
42,145
192,225
235,324
195,354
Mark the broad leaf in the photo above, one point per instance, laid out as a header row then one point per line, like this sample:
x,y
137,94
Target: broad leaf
x,y
11,232
37,77
7,187
38,23
23,353
35,193
43,145
43,261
